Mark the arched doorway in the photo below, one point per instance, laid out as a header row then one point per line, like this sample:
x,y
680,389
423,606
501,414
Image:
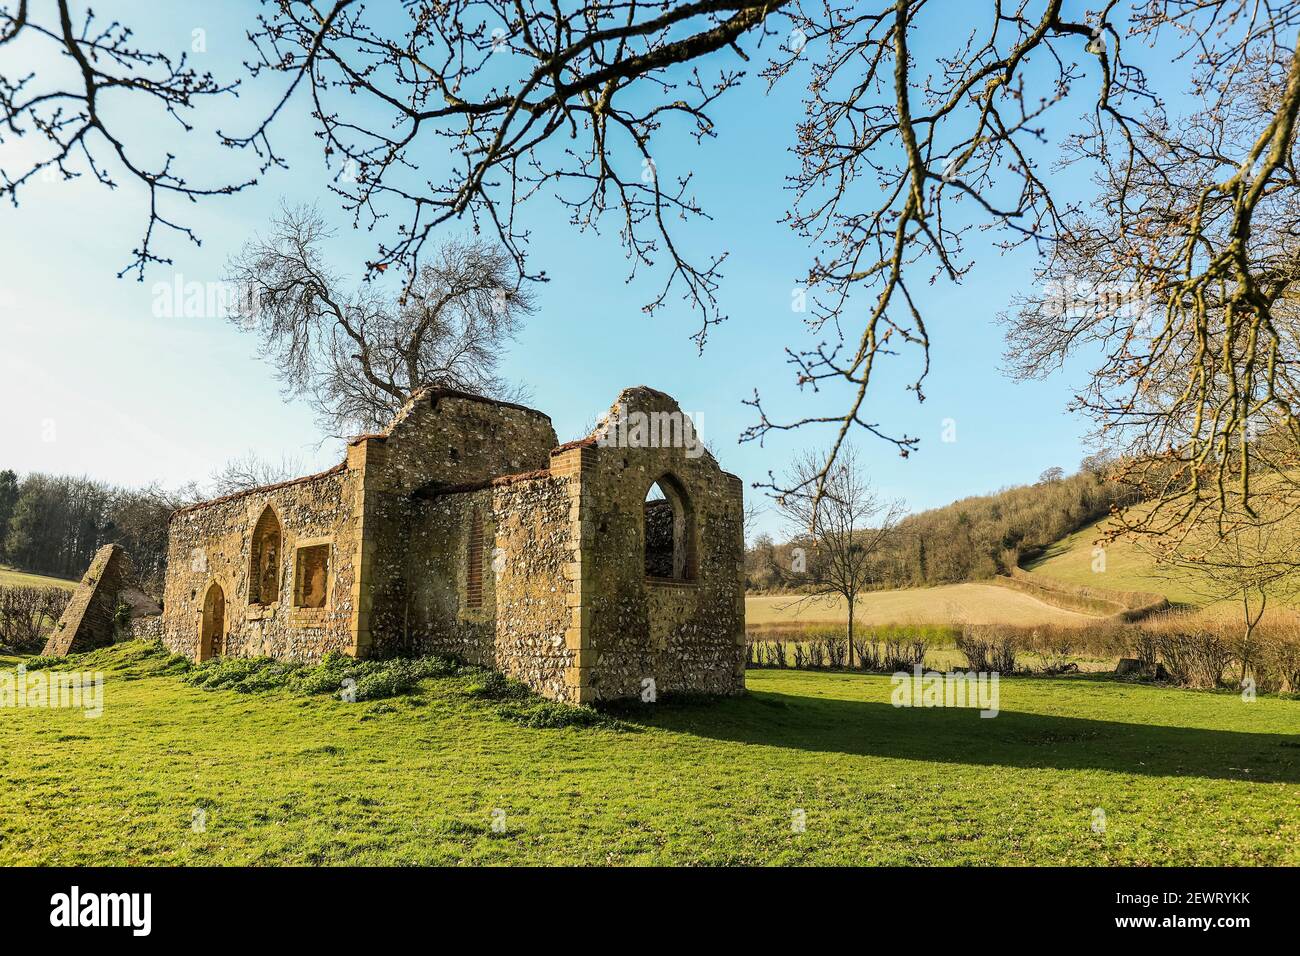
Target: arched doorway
x,y
212,630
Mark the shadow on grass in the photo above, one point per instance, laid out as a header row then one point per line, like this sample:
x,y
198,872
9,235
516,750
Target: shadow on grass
x,y
1012,739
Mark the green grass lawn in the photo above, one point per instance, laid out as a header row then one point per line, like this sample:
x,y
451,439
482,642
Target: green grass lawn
x,y
1184,778
11,578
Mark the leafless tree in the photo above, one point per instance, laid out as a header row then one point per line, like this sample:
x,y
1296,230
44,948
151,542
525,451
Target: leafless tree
x,y
530,97
1183,278
750,518
846,527
359,355
905,150
904,155
495,82
92,82
252,471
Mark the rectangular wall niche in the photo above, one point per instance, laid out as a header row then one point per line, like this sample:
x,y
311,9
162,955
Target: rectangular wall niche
x,y
311,579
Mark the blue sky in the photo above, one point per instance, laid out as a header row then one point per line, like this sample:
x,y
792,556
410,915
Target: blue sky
x,y
92,382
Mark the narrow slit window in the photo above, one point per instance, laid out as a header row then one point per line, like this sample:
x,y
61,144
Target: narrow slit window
x,y
474,558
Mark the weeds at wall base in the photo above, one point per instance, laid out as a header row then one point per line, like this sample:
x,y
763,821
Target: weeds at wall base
x,y
337,676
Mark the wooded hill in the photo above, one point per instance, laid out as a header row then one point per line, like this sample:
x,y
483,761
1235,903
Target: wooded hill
x,y
971,539
54,524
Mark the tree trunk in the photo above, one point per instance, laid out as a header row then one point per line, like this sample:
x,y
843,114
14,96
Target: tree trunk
x,y
850,638
1251,624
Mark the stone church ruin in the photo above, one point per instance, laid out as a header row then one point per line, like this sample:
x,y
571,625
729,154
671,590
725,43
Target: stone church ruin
x,y
590,570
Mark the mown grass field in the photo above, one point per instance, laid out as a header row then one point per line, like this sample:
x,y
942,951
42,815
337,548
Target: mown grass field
x,y
12,578
948,604
1183,778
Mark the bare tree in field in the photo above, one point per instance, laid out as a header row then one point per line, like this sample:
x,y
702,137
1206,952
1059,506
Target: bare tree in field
x,y
358,354
846,528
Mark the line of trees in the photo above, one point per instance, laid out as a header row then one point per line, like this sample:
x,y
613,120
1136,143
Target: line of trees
x,y
54,524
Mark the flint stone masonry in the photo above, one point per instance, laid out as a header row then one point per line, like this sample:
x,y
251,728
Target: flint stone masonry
x,y
564,595
89,620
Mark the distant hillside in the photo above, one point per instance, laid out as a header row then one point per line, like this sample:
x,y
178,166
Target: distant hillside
x,y
10,578
1126,568
978,537
972,539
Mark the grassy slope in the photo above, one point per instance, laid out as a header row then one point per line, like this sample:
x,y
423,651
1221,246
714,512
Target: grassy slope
x,y
1184,777
972,603
1127,568
22,579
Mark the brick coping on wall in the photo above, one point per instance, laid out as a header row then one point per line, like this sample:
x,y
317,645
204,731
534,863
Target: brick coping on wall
x,y
262,488
434,393
589,442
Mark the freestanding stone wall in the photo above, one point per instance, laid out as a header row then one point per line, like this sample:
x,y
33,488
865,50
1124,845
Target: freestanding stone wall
x,y
637,633
88,620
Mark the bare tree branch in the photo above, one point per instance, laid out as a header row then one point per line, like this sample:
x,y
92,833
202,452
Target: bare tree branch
x,y
64,110
359,355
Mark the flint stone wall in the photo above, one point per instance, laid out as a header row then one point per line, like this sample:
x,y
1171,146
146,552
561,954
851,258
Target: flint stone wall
x,y
562,599
213,543
520,622
146,628
88,620
687,636
439,442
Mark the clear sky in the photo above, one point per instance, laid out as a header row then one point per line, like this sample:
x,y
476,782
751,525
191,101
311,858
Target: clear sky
x,y
92,382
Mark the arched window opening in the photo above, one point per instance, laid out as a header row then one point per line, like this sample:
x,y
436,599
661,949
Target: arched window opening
x,y
213,627
669,532
264,567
